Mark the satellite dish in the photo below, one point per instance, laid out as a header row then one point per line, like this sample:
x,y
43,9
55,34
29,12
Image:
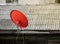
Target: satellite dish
x,y
19,18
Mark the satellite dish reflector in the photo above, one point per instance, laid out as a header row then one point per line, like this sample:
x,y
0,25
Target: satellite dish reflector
x,y
19,18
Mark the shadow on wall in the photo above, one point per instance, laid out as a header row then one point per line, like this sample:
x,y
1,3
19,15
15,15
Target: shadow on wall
x,y
57,1
6,24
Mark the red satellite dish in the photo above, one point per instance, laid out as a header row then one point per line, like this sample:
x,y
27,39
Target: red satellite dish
x,y
19,18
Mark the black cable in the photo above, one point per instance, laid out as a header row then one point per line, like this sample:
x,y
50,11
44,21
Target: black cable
x,y
18,35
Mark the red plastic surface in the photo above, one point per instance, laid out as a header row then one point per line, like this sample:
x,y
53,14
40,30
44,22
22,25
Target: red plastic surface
x,y
19,18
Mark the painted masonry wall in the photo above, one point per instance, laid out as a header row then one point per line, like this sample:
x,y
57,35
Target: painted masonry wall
x,y
24,2
44,17
2,2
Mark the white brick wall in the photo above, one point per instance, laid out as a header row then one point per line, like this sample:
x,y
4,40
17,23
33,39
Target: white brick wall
x,y
39,17
2,2
34,2
28,2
